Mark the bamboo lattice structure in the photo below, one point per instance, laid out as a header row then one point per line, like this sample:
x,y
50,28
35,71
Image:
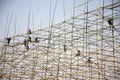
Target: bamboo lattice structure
x,y
54,56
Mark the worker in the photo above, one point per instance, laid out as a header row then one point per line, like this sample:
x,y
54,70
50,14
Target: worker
x,y
64,48
29,32
110,22
78,53
29,39
26,44
8,40
89,60
36,39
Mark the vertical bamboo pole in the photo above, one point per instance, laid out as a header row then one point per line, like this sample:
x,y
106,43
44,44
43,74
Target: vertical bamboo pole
x,y
64,31
84,39
12,69
29,15
113,47
59,54
97,54
33,55
4,50
49,38
72,34
102,46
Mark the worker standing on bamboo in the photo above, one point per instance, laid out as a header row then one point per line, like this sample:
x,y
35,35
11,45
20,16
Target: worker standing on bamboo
x,y
8,40
26,44
29,39
29,32
36,39
78,53
110,22
64,48
89,60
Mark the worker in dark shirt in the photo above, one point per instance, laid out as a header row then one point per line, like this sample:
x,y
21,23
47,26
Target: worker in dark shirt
x,y
110,22
29,39
26,44
29,32
78,53
8,40
36,39
64,48
89,60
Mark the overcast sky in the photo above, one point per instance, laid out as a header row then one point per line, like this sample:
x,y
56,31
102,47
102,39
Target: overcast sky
x,y
39,11
19,9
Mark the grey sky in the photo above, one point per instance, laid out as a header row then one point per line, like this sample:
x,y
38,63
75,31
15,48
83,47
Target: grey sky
x,y
39,13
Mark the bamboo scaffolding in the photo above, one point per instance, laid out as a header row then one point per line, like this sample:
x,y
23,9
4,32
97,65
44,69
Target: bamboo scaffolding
x,y
49,59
